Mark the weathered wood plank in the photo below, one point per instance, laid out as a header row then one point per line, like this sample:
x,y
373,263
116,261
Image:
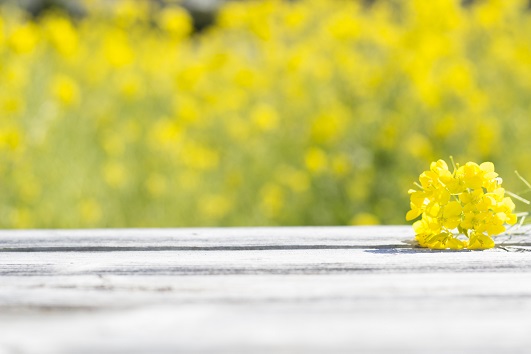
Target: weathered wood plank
x,y
204,238
220,239
307,290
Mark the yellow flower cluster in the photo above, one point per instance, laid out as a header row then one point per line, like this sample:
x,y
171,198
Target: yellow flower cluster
x,y
280,113
468,201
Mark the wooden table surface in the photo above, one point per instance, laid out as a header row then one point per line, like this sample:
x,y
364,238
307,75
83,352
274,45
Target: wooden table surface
x,y
260,290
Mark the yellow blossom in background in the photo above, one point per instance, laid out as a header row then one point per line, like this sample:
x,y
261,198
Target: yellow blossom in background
x,y
467,201
364,219
65,90
176,21
215,206
316,160
24,38
90,212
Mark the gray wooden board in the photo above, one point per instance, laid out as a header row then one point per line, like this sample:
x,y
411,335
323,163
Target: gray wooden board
x,y
258,290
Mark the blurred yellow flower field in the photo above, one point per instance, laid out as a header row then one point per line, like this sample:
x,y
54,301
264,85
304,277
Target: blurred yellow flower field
x,y
281,113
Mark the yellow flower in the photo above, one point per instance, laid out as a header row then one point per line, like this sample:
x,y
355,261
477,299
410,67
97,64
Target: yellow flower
x,y
66,90
480,241
471,175
459,209
451,215
175,21
316,160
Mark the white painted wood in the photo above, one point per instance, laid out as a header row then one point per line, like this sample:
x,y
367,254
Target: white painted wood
x,y
241,290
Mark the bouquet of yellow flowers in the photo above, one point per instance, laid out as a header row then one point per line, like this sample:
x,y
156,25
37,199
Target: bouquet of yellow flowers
x,y
460,209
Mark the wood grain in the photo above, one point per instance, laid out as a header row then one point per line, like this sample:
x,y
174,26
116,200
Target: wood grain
x,y
258,290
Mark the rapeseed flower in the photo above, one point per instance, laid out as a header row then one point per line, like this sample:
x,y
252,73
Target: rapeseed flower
x,y
462,208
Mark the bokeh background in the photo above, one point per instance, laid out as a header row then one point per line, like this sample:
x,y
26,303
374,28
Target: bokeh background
x,y
226,113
